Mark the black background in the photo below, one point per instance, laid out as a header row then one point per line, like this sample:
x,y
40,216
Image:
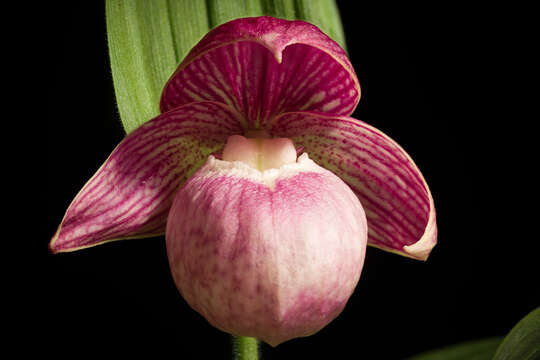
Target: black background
x,y
429,80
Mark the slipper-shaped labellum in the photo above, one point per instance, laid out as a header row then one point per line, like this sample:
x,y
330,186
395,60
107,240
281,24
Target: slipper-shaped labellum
x,y
260,241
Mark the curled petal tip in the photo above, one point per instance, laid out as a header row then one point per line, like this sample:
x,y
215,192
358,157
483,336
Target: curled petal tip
x,y
50,246
422,248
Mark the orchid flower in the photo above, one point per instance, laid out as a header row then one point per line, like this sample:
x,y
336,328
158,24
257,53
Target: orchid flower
x,y
265,188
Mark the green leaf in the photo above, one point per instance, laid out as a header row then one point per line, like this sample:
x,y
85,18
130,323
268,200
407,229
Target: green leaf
x,y
470,350
285,9
142,56
220,11
148,39
325,15
523,341
189,22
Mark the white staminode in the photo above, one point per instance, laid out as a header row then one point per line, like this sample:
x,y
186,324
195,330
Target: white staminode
x,y
260,153
259,160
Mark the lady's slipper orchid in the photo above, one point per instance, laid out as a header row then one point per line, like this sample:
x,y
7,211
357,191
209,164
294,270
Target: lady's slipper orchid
x,y
260,242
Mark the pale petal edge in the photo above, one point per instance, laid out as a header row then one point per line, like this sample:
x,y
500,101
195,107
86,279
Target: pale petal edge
x,y
422,248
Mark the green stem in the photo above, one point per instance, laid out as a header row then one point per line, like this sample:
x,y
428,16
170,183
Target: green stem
x,y
245,348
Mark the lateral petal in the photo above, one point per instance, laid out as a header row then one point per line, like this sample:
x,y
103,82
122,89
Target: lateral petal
x,y
397,200
130,195
264,67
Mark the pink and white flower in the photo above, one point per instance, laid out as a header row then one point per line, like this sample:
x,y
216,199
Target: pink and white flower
x,y
260,242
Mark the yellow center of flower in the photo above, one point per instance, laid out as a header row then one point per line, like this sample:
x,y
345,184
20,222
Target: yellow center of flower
x,y
259,150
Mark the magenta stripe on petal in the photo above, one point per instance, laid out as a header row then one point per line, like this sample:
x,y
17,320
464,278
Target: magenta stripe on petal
x,y
264,67
397,200
130,195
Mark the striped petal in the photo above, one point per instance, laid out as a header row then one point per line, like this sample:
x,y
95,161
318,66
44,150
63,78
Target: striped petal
x,y
130,195
398,204
264,67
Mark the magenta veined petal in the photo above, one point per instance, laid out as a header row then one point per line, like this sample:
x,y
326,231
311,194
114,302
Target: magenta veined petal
x,y
396,198
131,194
264,67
